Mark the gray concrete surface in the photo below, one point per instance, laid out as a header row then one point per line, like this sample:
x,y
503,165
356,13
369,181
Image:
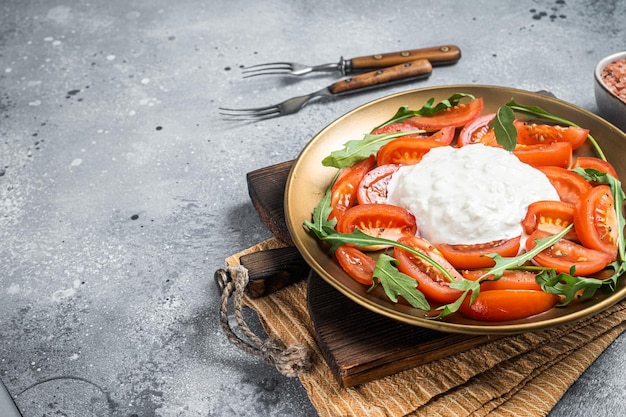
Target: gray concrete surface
x,y
122,190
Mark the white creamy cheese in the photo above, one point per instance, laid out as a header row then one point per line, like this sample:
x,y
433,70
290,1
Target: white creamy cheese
x,y
468,195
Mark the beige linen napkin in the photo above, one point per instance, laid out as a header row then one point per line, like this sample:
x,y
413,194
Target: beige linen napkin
x,y
520,375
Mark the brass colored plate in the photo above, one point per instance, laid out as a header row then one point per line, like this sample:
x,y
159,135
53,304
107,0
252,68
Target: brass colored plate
x,y
309,180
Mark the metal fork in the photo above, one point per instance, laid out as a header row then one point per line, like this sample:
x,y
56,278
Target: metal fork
x,y
290,68
437,55
403,72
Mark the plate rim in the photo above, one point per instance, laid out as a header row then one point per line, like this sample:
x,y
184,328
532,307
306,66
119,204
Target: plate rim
x,y
435,324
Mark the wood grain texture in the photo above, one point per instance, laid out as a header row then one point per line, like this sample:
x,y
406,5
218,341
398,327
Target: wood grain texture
x,y
437,55
273,269
361,346
405,71
266,187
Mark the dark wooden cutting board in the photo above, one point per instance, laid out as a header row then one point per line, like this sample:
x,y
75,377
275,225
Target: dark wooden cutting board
x,y
358,344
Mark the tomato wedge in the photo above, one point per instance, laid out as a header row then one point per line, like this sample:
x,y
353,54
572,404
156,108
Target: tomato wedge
x,y
478,131
564,254
358,265
568,184
551,154
596,220
393,128
373,187
456,116
550,217
511,279
431,282
443,135
503,305
474,256
405,151
595,163
378,220
528,134
344,190
540,134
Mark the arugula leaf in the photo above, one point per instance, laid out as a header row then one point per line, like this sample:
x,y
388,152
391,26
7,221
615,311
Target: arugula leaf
x,y
505,130
427,109
396,283
321,225
502,263
360,239
468,287
537,111
591,174
619,268
451,308
357,150
356,238
567,285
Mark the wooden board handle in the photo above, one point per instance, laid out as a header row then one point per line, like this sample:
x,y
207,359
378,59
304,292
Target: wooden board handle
x,y
273,269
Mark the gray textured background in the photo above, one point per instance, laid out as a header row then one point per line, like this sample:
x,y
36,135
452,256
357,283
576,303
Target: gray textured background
x,y
122,191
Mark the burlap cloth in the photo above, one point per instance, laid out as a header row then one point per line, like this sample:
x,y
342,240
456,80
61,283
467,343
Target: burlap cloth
x,y
520,375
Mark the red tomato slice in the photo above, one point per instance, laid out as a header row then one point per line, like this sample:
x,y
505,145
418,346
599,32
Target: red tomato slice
x,y
510,280
568,184
550,217
596,220
378,220
393,128
478,131
594,163
431,282
551,154
534,134
373,187
443,135
357,264
456,116
565,253
528,134
405,151
474,256
503,305
344,190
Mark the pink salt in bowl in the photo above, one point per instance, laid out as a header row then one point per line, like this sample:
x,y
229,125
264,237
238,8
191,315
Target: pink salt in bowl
x,y
610,88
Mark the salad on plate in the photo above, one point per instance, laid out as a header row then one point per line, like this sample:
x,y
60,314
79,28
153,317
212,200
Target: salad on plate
x,y
484,215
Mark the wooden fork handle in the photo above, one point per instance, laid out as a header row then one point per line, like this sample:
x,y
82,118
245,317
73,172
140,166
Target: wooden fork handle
x,y
405,71
437,55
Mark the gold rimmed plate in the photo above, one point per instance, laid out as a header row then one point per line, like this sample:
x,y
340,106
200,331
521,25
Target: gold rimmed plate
x,y
309,180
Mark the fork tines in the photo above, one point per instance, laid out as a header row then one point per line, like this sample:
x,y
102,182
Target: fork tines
x,y
270,68
256,113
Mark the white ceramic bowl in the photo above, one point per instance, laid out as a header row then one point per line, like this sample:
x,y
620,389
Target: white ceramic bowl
x,y
609,105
